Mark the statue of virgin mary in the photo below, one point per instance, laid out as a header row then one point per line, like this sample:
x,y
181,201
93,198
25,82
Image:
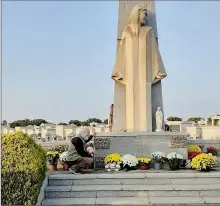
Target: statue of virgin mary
x,y
138,66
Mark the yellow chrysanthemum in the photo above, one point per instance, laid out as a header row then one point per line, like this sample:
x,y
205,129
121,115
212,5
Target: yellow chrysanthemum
x,y
193,148
144,159
203,162
52,153
113,158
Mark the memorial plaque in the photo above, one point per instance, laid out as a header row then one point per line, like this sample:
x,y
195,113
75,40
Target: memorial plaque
x,y
102,143
178,142
99,163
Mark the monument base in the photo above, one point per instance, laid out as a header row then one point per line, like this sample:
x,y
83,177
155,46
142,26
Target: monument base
x,y
140,144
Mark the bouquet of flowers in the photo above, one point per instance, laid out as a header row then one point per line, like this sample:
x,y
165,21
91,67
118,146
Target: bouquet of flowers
x,y
212,150
194,148
52,157
174,159
63,157
112,162
158,157
203,162
144,162
193,154
129,162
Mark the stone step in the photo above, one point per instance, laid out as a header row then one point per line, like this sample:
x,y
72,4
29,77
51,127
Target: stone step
x,y
165,201
132,191
147,181
137,175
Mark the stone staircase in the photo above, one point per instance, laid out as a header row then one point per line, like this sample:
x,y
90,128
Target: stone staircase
x,y
134,188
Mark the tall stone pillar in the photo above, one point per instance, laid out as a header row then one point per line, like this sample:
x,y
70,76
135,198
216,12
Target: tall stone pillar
x,y
125,7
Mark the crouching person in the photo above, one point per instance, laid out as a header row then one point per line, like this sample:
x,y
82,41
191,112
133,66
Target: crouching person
x,y
78,158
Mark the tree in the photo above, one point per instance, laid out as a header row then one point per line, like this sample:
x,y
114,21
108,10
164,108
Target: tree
x,y
105,121
26,122
174,119
90,120
38,122
195,119
62,123
76,122
4,122
84,123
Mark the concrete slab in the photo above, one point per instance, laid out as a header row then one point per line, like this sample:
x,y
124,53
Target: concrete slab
x,y
69,201
58,188
176,200
123,201
96,188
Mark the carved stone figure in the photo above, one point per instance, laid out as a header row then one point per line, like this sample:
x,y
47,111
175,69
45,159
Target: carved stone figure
x,y
138,66
159,120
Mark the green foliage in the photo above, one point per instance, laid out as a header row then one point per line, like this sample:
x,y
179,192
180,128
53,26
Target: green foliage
x,y
85,123
105,121
195,119
76,122
174,119
59,148
23,169
26,122
4,122
62,123
90,120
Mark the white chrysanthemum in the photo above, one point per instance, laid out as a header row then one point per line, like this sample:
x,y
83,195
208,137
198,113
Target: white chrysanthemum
x,y
107,166
118,166
63,156
129,160
179,156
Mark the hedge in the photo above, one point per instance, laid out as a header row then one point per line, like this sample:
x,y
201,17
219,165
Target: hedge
x,y
23,169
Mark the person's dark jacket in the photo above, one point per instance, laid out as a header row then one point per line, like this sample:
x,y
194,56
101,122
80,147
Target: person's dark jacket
x,y
79,146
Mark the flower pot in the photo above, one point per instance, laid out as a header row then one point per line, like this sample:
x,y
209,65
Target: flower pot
x,y
108,170
143,167
53,167
65,167
204,150
174,164
116,170
157,166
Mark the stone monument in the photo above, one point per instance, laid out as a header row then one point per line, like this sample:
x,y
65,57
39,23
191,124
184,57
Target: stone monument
x,y
138,105
138,69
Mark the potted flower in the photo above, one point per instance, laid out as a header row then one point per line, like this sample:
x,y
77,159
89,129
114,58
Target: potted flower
x,y
53,157
158,158
144,163
193,154
203,162
63,161
112,162
212,150
174,159
129,162
194,148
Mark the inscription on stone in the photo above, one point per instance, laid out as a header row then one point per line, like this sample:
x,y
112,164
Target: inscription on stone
x,y
102,143
178,142
99,163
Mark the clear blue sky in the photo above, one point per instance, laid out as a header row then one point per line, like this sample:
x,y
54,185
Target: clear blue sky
x,y
58,57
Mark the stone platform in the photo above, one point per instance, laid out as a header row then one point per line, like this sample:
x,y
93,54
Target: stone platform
x,y
183,187
140,144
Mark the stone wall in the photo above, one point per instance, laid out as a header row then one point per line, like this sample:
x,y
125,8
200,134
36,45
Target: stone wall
x,y
138,144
